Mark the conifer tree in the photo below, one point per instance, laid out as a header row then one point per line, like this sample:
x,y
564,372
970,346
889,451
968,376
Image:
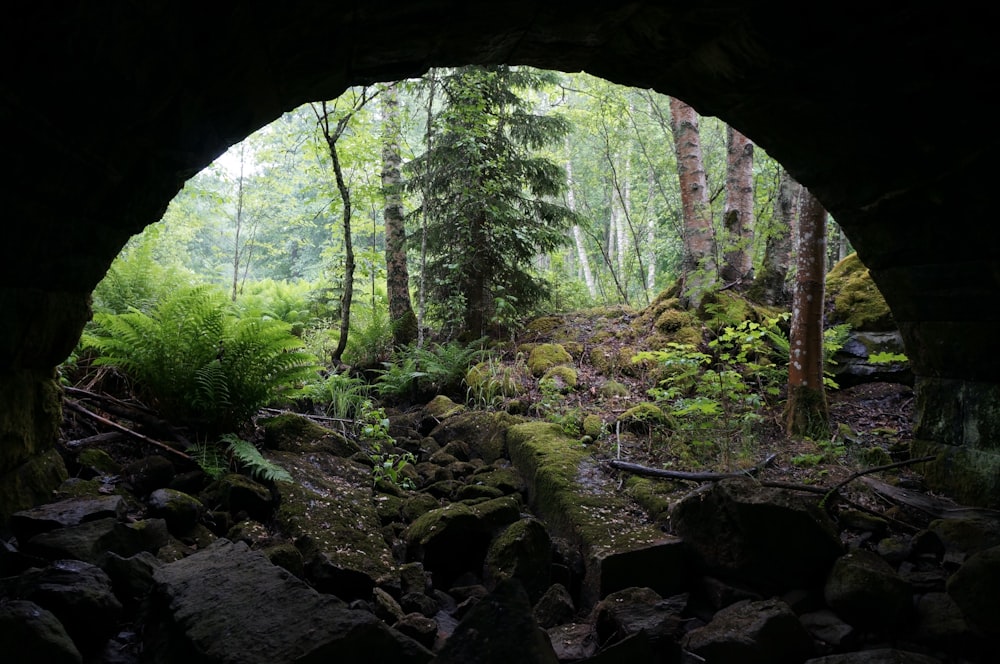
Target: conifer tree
x,y
492,203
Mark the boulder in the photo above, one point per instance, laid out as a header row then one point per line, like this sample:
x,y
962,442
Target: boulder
x,y
867,592
29,633
499,629
522,551
966,586
772,539
229,605
762,632
641,610
69,512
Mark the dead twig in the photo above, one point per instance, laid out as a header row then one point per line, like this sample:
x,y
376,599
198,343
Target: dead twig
x,y
114,425
637,469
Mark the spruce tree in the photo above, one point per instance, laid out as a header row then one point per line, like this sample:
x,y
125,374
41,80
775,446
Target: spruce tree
x,y
490,200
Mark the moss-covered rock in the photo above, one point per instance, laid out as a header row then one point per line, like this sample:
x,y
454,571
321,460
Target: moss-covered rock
x,y
559,378
854,298
291,432
441,407
523,551
612,389
544,326
31,483
593,425
484,431
545,356
642,417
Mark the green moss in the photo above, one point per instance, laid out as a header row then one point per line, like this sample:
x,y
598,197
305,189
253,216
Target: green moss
x,y
655,496
559,378
874,456
99,460
543,326
574,348
642,417
593,425
672,320
545,356
293,432
441,407
560,494
31,483
855,298
612,389
604,360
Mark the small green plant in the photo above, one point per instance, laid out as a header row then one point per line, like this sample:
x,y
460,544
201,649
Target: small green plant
x,y
339,395
492,380
385,465
231,451
886,357
437,369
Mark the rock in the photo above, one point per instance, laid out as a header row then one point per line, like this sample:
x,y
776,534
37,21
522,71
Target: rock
x,y
454,539
545,356
865,591
418,627
661,565
385,606
499,629
70,512
227,604
419,603
240,494
148,474
88,541
877,656
827,628
963,537
290,432
132,577
763,632
77,593
940,624
328,510
179,510
966,586
769,538
522,551
485,433
31,634
560,379
555,607
575,642
634,610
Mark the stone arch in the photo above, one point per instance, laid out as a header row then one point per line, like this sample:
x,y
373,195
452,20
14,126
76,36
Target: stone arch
x,y
110,110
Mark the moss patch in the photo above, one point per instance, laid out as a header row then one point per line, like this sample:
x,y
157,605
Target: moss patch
x,y
854,298
545,356
559,378
295,433
558,490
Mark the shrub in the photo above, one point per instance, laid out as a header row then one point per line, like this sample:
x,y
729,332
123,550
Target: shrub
x,y
200,363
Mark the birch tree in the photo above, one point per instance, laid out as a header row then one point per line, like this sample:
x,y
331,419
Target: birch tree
x,y
737,217
699,270
404,321
807,413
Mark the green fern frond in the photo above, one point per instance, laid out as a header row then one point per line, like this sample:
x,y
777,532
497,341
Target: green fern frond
x,y
244,453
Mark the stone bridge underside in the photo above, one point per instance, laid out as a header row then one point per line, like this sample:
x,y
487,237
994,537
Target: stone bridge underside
x,y
883,112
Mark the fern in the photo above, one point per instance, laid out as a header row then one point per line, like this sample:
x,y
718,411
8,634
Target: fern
x,y
198,361
244,453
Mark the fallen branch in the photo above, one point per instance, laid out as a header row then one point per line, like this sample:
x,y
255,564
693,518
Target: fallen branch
x,y
637,469
135,434
133,412
875,469
105,437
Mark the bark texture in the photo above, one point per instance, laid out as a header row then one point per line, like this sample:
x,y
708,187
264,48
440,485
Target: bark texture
x,y
737,262
807,413
699,265
404,321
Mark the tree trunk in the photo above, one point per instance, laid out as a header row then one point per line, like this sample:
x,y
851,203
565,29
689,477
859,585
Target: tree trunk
x,y
771,282
651,234
806,410
738,215
404,321
581,250
699,270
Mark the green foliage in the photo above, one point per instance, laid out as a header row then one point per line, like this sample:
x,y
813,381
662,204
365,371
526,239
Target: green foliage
x,y
339,395
386,466
201,363
492,381
435,369
230,450
827,451
886,357
489,197
712,405
137,280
